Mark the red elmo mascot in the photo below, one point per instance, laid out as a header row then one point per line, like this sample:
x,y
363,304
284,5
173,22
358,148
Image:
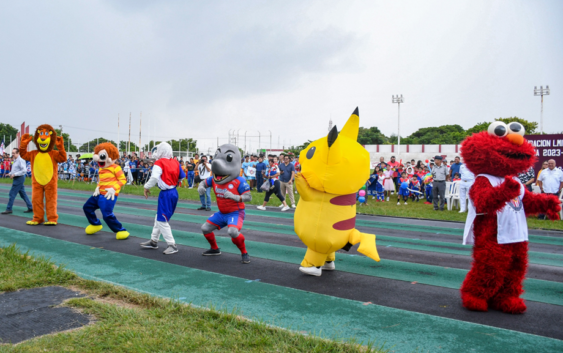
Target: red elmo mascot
x,y
496,221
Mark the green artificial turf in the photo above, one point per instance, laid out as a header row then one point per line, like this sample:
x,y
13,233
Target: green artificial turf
x,y
128,321
417,210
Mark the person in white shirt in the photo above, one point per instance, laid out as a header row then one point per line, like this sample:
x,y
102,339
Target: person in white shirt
x,y
550,181
204,170
18,173
467,179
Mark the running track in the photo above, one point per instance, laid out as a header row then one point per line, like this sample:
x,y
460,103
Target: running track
x,y
409,301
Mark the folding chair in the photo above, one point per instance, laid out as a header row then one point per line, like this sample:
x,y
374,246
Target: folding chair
x,y
454,197
448,193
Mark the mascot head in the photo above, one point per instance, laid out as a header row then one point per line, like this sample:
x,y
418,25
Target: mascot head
x,y
500,151
226,164
105,154
45,138
337,164
162,150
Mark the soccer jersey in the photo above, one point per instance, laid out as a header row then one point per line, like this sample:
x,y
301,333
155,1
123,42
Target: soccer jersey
x,y
111,177
237,186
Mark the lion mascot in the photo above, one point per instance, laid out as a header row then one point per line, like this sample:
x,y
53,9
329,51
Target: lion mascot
x,y
44,172
496,220
111,179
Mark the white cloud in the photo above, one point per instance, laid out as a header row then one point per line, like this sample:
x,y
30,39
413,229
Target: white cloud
x,y
201,69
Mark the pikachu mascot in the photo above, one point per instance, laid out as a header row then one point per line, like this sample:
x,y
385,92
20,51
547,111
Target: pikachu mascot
x,y
325,217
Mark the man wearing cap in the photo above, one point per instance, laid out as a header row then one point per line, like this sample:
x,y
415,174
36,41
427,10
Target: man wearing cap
x,y
439,173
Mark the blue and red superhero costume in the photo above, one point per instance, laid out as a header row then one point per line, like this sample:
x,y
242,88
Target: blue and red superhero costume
x,y
231,213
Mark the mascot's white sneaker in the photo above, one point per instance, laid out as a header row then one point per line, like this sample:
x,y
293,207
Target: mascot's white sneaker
x,y
329,266
313,271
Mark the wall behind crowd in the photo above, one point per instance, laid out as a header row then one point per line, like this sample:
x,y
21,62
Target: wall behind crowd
x,y
416,152
547,147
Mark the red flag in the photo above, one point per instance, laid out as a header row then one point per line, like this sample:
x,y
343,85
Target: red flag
x,y
23,128
27,129
18,140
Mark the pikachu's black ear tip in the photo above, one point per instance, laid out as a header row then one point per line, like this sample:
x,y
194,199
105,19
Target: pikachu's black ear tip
x,y
332,136
356,112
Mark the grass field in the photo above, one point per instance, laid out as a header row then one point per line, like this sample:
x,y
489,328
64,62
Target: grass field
x,y
127,321
413,210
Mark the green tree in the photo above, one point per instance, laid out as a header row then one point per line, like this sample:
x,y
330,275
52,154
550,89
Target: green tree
x,y
530,126
445,135
89,146
177,145
8,132
371,136
296,150
69,147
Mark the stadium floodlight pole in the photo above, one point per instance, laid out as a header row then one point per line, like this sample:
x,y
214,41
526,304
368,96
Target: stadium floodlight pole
x,y
541,92
238,137
398,100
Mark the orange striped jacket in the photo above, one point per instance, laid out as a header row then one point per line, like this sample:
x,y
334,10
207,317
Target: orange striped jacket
x,y
111,177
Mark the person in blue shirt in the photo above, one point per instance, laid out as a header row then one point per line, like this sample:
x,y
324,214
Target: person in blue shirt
x,y
92,170
428,191
414,188
133,164
379,186
372,183
403,188
249,169
454,167
260,169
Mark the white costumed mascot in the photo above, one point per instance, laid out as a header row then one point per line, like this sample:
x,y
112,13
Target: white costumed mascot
x,y
166,173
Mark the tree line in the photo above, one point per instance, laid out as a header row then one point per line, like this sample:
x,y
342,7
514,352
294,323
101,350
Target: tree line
x,y
437,135
9,133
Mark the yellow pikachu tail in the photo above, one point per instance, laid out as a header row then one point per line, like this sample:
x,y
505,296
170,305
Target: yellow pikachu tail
x,y
367,244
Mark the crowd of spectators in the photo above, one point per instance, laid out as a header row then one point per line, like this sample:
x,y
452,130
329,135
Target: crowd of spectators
x,y
429,179
414,180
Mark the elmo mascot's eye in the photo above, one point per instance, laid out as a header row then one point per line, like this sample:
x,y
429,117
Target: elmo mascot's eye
x,y
516,128
498,129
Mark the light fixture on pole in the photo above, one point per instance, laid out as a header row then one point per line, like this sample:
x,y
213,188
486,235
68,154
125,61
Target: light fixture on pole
x,y
541,92
398,100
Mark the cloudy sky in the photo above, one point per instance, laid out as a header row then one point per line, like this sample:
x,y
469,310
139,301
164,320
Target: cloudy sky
x,y
200,69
